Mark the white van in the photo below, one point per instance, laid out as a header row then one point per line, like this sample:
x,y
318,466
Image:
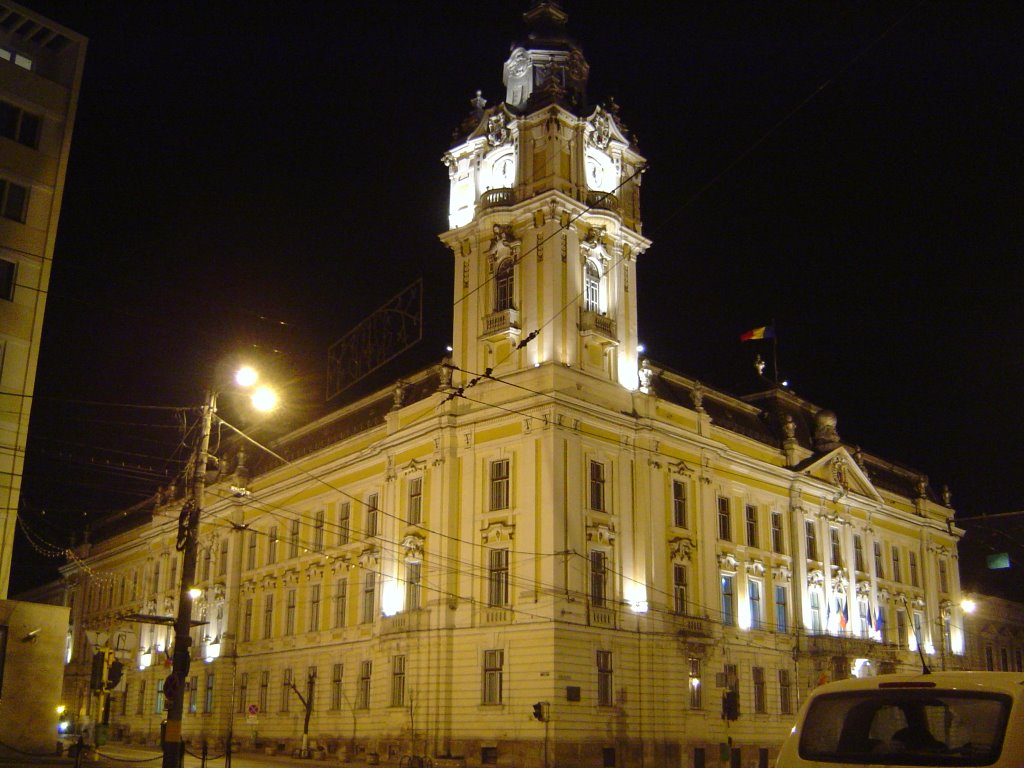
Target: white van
x,y
966,719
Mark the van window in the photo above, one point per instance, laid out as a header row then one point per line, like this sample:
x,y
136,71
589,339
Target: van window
x,y
906,727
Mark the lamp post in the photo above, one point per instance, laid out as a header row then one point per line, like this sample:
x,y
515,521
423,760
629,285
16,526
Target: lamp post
x,y
188,537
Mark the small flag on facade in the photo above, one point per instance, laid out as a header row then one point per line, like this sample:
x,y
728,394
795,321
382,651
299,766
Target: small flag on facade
x,y
764,332
879,621
844,615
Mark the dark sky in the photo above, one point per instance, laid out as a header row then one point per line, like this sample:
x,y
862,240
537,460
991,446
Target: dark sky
x,y
261,176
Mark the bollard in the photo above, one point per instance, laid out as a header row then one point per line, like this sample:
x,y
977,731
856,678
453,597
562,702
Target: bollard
x,y
205,752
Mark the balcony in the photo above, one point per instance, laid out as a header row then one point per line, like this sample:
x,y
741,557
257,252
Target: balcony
x,y
407,621
692,626
501,323
599,325
498,198
604,201
841,645
496,615
602,617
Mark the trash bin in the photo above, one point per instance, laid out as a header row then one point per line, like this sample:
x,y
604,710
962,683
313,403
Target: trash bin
x,y
163,733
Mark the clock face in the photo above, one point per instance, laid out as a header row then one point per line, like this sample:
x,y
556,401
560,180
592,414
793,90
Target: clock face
x,y
500,171
600,171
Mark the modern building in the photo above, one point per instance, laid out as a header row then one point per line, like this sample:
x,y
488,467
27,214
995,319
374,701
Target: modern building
x,y
40,72
547,550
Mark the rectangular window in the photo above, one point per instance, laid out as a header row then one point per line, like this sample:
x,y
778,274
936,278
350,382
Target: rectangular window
x,y
858,552
318,531
754,600
1004,660
864,609
897,573
372,515
207,563
208,700
13,200
811,538
679,589
289,613
363,691
728,600
836,552
943,577
8,279
413,582
340,602
222,559
158,707
604,679
750,516
286,690
141,705
494,662
337,673
879,570
901,629
398,681
264,689
816,624
781,608
293,539
724,519
314,608
678,504
250,558
193,694
778,542
268,616
598,578
124,699
18,125
272,545
912,563
369,597
497,578
415,500
918,637
243,692
499,484
990,664
247,621
695,684
344,522
760,692
785,693
597,486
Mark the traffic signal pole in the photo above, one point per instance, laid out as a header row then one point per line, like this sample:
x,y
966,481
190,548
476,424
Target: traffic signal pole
x,y
188,538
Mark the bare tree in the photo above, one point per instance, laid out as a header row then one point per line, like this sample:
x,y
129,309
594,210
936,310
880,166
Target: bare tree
x,y
307,704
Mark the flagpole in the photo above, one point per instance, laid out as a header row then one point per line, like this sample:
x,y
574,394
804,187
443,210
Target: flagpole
x,y
775,350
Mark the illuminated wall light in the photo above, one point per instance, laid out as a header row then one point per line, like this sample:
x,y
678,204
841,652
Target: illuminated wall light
x,y
863,668
929,648
145,660
636,596
968,605
391,598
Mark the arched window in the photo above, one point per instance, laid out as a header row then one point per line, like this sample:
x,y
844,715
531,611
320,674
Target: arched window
x,y
591,287
504,281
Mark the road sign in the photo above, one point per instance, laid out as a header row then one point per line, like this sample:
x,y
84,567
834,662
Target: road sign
x,y
254,709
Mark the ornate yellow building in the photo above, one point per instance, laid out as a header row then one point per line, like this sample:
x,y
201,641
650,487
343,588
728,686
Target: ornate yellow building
x,y
547,550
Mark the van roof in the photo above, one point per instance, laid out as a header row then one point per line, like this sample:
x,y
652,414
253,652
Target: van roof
x,y
1011,683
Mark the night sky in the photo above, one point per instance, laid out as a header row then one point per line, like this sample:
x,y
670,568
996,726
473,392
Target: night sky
x,y
257,177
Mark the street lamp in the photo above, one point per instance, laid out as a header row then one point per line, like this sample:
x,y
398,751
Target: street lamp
x,y
188,533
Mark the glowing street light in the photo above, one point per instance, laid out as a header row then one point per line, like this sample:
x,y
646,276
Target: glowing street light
x,y
188,534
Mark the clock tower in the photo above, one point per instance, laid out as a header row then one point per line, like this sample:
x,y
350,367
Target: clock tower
x,y
544,219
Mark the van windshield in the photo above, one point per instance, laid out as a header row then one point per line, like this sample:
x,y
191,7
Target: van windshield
x,y
906,727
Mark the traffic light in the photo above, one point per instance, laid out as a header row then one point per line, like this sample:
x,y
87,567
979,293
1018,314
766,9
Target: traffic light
x,y
730,705
97,676
540,711
114,671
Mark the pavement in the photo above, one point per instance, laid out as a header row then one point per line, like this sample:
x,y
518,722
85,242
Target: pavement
x,y
121,756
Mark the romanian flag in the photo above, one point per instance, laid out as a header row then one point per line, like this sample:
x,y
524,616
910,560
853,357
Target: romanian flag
x,y
764,332
844,615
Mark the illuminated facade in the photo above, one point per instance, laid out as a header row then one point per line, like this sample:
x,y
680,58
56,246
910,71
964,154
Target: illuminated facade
x,y
548,550
40,73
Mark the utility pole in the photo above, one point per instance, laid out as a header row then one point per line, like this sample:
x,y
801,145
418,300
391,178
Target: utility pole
x,y
188,539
